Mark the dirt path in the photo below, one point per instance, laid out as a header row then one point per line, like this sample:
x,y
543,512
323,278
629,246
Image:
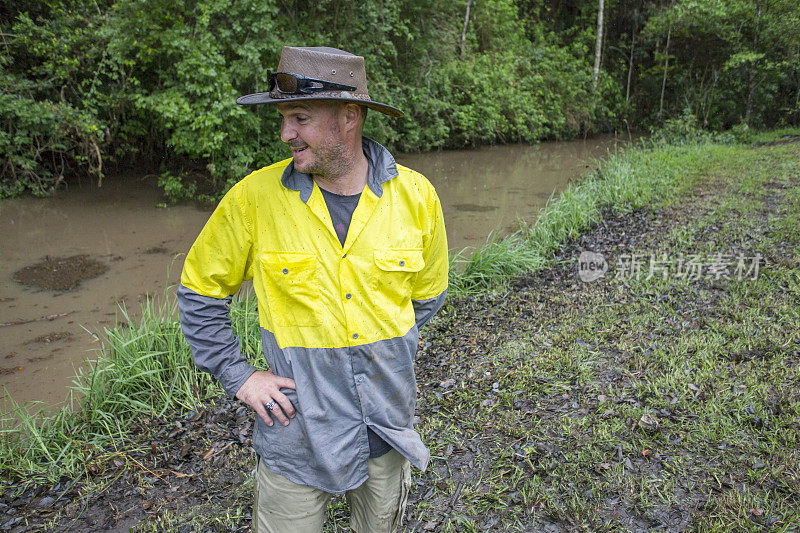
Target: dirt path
x,y
630,402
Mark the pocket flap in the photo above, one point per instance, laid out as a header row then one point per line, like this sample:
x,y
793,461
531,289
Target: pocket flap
x,y
391,260
289,263
289,269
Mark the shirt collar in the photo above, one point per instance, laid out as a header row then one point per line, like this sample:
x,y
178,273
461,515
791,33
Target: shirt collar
x,y
382,168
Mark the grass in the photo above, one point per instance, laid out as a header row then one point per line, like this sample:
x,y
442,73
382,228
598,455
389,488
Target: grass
x,y
633,403
144,371
627,181
614,405
769,136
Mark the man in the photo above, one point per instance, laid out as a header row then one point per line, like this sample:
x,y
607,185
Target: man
x,y
348,257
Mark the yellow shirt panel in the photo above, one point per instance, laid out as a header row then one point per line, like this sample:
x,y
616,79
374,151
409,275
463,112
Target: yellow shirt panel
x,y
312,291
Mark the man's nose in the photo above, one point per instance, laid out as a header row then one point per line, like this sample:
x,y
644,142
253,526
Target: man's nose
x,y
287,131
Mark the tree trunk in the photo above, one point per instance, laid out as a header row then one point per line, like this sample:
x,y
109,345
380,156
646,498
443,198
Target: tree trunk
x,y
630,66
464,31
715,78
751,88
599,46
796,111
666,66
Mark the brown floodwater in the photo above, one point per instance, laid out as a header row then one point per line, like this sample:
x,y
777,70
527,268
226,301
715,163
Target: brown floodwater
x,y
45,335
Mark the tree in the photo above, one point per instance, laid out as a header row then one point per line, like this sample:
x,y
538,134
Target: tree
x,y
598,46
731,59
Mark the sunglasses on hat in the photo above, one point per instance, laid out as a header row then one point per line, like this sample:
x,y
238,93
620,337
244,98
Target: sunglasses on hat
x,y
290,83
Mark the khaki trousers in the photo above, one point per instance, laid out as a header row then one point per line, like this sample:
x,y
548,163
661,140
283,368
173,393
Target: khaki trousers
x,y
376,506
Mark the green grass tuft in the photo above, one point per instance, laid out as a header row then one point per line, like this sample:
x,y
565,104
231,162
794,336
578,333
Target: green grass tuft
x,y
144,369
628,180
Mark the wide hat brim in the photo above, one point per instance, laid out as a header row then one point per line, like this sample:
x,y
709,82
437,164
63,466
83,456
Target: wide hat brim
x,y
266,98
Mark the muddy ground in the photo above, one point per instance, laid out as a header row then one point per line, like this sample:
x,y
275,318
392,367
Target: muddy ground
x,y
204,459
608,433
60,273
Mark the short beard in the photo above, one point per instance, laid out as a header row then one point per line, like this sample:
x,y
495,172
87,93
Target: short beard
x,y
332,160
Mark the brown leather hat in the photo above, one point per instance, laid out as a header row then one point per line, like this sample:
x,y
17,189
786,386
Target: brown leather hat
x,y
329,65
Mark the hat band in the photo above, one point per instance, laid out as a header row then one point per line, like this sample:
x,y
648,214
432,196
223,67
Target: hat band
x,y
276,95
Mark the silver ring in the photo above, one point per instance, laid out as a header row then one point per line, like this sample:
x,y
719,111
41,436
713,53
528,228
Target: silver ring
x,y
271,405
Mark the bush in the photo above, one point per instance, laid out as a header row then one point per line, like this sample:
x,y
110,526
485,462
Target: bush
x,y
174,188
153,83
41,140
685,129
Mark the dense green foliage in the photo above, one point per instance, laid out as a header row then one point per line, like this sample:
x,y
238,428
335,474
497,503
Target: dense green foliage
x,y
89,85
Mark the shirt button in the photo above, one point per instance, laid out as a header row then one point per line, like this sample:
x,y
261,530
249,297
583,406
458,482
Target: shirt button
x,y
366,420
402,263
361,379
348,295
285,270
355,335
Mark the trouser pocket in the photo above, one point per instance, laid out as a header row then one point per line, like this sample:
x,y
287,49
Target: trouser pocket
x,y
405,487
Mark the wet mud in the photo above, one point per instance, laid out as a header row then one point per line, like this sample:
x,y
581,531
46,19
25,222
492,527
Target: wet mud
x,y
181,464
60,273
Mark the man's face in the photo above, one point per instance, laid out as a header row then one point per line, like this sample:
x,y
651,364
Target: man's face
x,y
313,132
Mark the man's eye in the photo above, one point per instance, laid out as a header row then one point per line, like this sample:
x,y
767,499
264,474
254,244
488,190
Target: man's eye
x,y
302,118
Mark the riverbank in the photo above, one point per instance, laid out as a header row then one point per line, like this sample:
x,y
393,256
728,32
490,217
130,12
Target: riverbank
x,y
119,228
631,401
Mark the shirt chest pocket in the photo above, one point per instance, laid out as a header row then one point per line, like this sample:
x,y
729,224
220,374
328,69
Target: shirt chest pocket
x,y
291,282
394,277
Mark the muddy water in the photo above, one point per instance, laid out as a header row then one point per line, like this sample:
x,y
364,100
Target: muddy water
x,y
487,190
43,334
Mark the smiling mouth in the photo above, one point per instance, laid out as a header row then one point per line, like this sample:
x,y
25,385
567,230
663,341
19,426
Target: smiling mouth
x,y
298,150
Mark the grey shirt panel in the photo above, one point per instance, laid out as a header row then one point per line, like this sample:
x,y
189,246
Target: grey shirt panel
x,y
425,309
207,327
340,392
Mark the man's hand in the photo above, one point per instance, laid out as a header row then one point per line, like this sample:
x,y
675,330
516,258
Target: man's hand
x,y
260,389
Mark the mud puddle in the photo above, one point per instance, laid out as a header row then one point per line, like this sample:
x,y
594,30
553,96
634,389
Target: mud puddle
x,y
67,262
60,273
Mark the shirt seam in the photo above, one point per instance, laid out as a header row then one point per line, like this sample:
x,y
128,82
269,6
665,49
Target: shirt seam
x,y
245,216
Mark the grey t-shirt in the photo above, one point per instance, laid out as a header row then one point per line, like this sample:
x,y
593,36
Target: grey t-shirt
x,y
341,209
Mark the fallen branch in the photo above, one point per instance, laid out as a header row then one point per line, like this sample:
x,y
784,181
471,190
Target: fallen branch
x,y
40,319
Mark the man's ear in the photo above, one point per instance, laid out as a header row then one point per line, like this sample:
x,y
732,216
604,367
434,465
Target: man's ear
x,y
352,116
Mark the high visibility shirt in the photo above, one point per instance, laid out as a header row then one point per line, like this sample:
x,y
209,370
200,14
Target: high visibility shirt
x,y
341,320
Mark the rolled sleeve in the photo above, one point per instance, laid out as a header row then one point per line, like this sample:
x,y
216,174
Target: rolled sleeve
x,y
207,327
